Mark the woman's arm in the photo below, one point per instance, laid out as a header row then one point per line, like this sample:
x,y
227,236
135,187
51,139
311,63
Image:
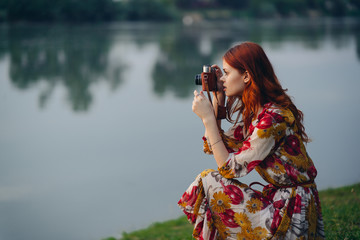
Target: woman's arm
x,y
215,141
217,101
219,96
204,109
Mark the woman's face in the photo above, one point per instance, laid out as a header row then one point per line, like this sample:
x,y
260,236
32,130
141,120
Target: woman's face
x,y
233,80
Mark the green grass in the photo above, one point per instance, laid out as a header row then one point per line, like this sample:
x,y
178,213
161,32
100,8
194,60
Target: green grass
x,y
178,229
341,212
340,208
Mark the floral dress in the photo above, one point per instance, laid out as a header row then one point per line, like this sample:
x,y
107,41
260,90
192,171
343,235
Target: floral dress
x,y
221,207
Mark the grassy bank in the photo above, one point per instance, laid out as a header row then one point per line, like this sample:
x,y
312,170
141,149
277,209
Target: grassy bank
x,y
340,208
341,211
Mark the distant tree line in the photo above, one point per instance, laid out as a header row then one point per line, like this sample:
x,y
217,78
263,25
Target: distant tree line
x,y
85,10
159,10
283,8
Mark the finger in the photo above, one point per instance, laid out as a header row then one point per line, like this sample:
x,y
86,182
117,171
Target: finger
x,y
215,66
218,70
197,94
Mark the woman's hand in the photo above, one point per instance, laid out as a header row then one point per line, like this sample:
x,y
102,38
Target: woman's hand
x,y
219,74
219,99
202,107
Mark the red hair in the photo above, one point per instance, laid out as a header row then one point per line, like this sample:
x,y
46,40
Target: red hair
x,y
264,86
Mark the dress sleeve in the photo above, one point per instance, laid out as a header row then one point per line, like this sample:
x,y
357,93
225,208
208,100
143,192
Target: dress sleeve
x,y
256,148
231,141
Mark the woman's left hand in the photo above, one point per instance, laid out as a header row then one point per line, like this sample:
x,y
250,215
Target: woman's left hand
x,y
219,75
202,107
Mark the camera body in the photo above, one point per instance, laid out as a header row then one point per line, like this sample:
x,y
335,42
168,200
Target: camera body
x,y
207,79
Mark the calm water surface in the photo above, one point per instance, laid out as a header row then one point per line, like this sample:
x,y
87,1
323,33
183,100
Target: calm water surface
x,y
97,133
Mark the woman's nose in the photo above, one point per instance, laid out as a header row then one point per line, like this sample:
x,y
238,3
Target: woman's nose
x,y
222,79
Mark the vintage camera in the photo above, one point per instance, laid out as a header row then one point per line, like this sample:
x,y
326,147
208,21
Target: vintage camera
x,y
207,79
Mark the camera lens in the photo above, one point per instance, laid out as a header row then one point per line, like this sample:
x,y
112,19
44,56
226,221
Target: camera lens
x,y
198,79
207,68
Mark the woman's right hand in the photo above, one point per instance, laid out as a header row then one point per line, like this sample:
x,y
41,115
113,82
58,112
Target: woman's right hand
x,y
202,107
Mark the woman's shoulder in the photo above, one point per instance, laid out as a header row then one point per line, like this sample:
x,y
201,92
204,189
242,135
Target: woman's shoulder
x,y
278,113
273,108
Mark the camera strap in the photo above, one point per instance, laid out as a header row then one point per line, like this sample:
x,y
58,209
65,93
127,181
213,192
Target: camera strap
x,y
221,111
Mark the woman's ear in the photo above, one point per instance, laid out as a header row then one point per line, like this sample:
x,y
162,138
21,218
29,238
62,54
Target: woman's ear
x,y
246,77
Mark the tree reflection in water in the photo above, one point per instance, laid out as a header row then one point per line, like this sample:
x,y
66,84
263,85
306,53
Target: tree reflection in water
x,y
73,57
184,50
77,57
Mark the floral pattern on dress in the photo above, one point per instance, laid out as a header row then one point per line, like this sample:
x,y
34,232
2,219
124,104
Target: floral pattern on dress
x,y
288,207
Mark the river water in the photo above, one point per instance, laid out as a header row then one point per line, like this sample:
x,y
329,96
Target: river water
x,y
97,135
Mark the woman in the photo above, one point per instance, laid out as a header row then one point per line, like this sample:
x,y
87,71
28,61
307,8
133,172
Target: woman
x,y
268,135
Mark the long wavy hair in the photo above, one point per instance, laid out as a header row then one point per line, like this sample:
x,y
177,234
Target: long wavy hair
x,y
264,86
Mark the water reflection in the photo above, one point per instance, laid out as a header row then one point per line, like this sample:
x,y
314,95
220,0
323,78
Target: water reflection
x,y
78,57
75,58
182,54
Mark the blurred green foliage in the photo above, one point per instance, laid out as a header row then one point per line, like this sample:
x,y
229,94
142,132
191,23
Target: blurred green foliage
x,y
165,10
57,10
85,11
